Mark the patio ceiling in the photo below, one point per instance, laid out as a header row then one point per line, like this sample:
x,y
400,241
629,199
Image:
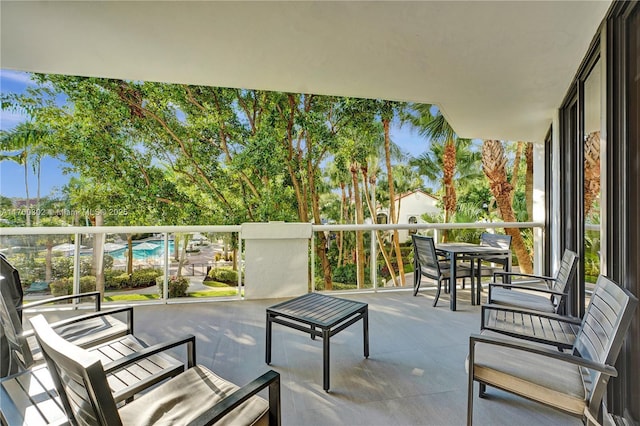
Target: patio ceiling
x,y
496,69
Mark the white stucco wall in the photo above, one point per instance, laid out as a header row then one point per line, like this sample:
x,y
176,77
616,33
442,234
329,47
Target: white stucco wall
x,y
415,205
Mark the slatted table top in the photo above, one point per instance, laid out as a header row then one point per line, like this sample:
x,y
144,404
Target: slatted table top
x,y
318,309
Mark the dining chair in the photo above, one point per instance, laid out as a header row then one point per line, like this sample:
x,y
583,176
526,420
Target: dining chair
x,y
428,264
195,397
487,266
549,297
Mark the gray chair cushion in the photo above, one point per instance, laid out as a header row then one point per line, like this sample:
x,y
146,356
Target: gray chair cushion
x,y
185,397
86,333
521,299
547,380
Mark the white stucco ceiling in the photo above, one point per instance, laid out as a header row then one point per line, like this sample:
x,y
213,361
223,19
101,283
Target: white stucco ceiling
x,y
496,69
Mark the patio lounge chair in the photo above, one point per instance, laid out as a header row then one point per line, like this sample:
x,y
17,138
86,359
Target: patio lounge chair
x,y
571,382
427,264
550,297
109,336
195,397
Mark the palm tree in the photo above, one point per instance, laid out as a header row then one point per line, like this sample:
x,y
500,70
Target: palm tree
x,y
494,165
444,156
26,138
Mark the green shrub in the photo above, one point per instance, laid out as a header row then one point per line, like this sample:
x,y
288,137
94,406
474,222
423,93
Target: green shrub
x,y
177,286
64,286
224,275
62,267
113,280
347,274
144,277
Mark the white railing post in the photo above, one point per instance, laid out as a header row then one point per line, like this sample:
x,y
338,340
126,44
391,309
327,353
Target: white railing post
x,y
313,262
76,264
373,272
165,287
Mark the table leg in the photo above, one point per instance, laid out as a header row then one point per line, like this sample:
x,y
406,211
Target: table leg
x,y
452,282
473,285
325,358
313,334
267,352
365,331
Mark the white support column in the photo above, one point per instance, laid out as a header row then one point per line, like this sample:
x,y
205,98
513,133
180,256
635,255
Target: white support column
x,y
538,205
276,259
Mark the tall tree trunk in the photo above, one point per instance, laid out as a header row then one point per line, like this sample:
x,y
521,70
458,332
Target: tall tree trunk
x,y
516,168
129,254
450,198
360,260
98,256
494,166
321,244
48,264
392,201
591,170
374,220
343,206
528,183
38,170
182,258
26,188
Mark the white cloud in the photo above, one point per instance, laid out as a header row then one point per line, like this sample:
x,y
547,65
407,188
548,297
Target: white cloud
x,y
16,76
10,119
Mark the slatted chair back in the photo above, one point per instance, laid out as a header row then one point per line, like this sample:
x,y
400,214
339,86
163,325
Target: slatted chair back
x,y
79,378
498,241
602,332
425,257
567,270
17,348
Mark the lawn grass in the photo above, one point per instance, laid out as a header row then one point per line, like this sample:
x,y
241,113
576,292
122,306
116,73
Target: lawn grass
x,y
219,290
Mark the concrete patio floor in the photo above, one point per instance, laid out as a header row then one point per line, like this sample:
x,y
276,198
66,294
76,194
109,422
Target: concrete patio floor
x,y
415,374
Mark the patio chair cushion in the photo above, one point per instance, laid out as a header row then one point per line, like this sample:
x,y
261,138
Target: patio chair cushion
x,y
182,399
90,332
530,375
521,299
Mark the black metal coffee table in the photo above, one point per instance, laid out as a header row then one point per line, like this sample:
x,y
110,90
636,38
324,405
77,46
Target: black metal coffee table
x,y
315,311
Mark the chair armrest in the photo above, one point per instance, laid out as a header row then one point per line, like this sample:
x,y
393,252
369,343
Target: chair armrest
x,y
539,350
144,383
123,362
530,288
80,318
522,274
95,294
539,314
269,379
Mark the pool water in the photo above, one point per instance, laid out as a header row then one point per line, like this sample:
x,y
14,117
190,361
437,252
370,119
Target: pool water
x,y
143,254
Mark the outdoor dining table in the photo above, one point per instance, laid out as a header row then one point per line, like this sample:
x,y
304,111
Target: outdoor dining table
x,y
456,251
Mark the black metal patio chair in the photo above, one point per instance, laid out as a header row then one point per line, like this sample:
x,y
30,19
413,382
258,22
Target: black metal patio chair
x,y
428,264
195,397
572,382
549,297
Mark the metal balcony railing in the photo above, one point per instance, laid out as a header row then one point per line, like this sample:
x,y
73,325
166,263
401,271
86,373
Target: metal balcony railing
x,y
36,242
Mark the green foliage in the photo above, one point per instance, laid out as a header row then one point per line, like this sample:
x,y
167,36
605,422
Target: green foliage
x,y
114,279
177,286
64,286
62,266
144,277
224,275
347,274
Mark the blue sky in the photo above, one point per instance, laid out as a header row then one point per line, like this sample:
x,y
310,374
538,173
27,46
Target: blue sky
x,y
12,174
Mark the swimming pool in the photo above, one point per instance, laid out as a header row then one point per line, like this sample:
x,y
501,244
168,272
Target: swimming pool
x,y
143,250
